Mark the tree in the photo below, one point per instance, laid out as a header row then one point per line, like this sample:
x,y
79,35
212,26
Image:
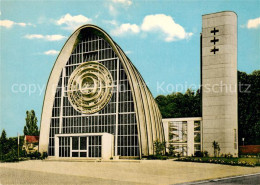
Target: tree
x,y
216,147
3,137
189,104
178,105
159,147
248,107
171,149
3,144
31,127
8,148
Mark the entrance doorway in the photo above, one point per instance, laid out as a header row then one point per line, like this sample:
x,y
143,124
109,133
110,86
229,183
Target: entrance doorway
x,y
84,145
79,146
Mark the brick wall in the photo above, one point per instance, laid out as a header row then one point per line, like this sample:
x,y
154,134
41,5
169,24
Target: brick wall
x,y
249,149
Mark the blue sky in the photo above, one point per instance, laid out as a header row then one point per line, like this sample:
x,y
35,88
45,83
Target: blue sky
x,y
160,37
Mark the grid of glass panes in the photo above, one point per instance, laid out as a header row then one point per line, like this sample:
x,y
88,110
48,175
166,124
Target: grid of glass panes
x,y
94,48
94,146
178,136
64,146
197,137
55,119
178,131
127,127
181,149
79,147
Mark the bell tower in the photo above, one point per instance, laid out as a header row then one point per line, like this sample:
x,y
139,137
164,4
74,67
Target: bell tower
x,y
219,82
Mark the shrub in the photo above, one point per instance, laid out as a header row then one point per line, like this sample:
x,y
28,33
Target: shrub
x,y
44,155
23,153
216,148
198,154
205,154
34,155
10,157
229,156
159,147
224,161
171,150
154,157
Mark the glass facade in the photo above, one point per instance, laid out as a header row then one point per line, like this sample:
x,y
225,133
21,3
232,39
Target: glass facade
x,y
118,112
80,146
184,135
178,136
178,131
197,137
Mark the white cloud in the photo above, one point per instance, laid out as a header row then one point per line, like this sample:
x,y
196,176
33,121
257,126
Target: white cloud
x,y
253,23
34,36
111,22
45,37
51,52
159,23
21,24
115,5
97,15
9,23
128,52
6,23
54,37
126,29
171,31
123,2
112,10
73,22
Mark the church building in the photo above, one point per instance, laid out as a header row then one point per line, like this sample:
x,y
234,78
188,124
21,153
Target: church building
x,y
97,104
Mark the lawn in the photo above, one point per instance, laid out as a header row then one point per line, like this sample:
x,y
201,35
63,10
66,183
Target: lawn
x,y
252,161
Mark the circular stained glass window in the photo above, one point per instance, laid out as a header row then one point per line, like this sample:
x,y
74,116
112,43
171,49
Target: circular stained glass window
x,y
90,87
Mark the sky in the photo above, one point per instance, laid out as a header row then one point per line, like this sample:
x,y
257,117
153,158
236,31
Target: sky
x,y
161,37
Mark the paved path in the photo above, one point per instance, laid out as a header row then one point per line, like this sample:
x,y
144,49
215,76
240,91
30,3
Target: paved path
x,y
143,172
15,176
253,179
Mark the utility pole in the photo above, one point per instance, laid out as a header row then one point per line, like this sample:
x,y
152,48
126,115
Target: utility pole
x,y
18,141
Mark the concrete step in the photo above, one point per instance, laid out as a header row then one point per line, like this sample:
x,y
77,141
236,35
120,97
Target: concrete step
x,y
71,159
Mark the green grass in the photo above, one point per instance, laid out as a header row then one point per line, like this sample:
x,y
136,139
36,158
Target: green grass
x,y
252,160
222,160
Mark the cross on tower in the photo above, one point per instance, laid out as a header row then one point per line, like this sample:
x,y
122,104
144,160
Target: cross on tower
x,y
214,40
214,31
214,50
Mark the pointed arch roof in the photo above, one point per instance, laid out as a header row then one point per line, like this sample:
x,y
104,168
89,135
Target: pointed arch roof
x,y
149,120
